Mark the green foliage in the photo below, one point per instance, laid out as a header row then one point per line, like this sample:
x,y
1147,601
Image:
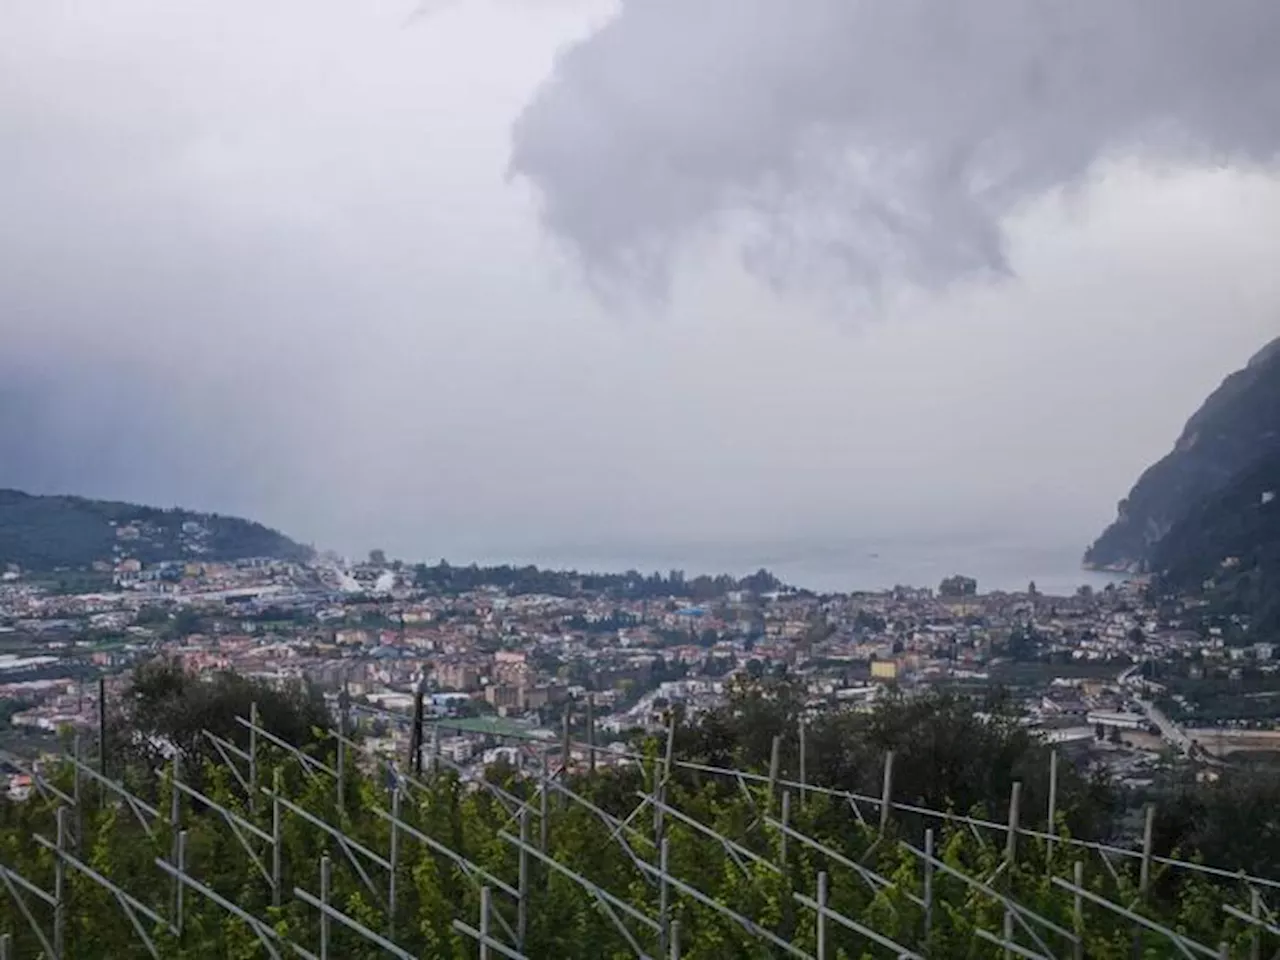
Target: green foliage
x,y
958,586
950,755
1231,541
1232,431
758,881
8,707
52,533
1225,693
167,707
1231,823
444,578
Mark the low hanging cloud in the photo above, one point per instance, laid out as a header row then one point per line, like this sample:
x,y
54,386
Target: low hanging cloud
x,y
881,139
262,261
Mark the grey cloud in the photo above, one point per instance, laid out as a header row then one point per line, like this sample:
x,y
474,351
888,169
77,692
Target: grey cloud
x,y
265,261
882,138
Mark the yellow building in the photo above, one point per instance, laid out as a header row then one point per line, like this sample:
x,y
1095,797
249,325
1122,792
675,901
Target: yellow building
x,y
884,670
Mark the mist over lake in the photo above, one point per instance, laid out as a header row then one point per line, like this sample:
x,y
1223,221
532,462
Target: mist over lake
x,y
850,565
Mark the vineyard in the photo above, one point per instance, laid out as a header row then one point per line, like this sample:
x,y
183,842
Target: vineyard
x,y
258,847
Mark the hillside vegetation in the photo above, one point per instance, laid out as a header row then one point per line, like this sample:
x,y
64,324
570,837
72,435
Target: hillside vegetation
x,y
1205,520
1228,548
1237,427
44,533
758,879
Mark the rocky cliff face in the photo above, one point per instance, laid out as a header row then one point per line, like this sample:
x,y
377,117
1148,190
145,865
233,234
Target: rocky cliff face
x,y
1235,429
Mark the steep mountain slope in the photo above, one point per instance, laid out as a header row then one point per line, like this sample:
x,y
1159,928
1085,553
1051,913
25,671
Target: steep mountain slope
x,y
41,533
1237,427
1227,547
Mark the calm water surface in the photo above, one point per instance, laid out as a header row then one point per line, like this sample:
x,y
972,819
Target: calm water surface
x,y
855,565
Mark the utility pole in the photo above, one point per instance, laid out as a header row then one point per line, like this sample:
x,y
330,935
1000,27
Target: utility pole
x,y
102,726
415,733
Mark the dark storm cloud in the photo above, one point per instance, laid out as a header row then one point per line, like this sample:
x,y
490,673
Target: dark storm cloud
x,y
262,259
888,138
85,428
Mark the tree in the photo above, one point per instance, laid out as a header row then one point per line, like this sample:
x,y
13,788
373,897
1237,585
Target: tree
x,y
866,620
973,749
1230,822
377,558
816,632
951,751
1024,642
165,707
958,586
187,622
151,615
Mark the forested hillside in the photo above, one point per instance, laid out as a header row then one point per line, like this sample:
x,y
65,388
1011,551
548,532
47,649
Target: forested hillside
x,y
43,533
589,883
1238,426
1228,547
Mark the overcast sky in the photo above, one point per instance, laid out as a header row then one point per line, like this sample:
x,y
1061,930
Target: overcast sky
x,y
481,278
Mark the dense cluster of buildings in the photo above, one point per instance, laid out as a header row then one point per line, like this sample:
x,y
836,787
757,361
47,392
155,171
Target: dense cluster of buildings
x,y
521,659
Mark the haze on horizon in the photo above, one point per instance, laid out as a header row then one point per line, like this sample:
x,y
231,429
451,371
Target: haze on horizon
x,y
489,278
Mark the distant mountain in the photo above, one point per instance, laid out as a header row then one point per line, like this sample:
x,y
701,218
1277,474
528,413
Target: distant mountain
x,y
1236,429
43,533
1226,549
1227,546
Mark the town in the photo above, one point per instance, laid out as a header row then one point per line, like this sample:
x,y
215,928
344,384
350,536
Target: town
x,y
1125,681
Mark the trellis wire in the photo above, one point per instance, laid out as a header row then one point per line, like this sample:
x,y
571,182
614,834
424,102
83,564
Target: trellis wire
x,y
662,930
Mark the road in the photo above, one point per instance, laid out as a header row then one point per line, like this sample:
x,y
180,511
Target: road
x,y
1169,730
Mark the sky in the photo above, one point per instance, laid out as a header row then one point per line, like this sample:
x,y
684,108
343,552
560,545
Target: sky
x,y
544,279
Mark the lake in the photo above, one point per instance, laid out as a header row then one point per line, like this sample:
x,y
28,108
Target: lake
x,y
869,564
